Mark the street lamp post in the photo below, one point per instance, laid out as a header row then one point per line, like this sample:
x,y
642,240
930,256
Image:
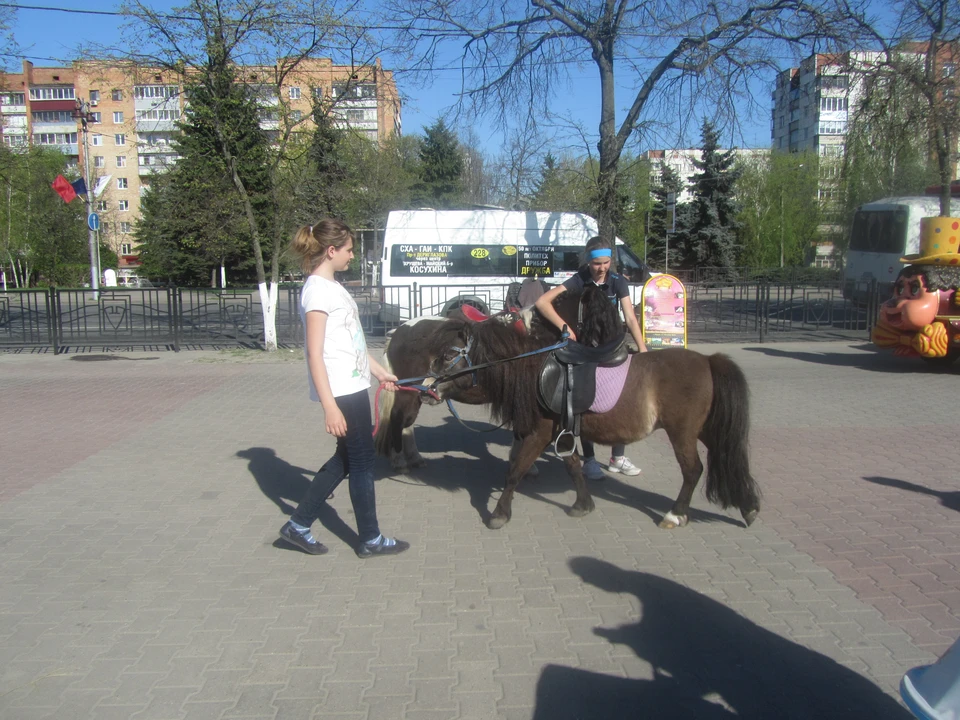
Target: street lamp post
x,y
83,114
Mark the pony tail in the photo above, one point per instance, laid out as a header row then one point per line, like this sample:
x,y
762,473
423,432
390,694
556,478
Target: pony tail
x,y
306,247
725,432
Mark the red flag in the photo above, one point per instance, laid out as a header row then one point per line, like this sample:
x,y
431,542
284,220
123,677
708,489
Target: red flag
x,y
64,188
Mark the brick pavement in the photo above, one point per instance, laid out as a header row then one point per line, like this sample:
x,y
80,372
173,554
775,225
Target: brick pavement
x,y
142,578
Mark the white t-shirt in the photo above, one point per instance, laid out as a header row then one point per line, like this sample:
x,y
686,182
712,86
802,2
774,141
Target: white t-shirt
x,y
344,347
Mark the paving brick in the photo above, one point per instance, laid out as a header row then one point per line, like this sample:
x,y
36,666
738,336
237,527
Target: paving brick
x,y
145,614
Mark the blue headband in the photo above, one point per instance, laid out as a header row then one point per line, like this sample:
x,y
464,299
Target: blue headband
x,y
599,253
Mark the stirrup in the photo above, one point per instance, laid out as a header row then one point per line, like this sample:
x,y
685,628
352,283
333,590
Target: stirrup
x,y
573,444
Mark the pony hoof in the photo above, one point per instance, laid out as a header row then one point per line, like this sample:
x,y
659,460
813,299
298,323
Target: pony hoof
x,y
417,462
533,472
749,517
578,511
671,521
496,522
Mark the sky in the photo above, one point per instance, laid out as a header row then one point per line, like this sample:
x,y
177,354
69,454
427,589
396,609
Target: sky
x,y
49,37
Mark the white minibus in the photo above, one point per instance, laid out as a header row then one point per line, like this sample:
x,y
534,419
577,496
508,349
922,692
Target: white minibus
x,y
883,231
437,260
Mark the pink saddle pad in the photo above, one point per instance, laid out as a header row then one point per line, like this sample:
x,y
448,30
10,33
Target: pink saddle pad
x,y
609,386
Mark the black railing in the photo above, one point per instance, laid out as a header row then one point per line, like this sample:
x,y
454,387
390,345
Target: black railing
x,y
738,307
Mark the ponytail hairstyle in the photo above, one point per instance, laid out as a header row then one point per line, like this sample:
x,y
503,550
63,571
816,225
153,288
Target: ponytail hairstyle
x,y
311,242
598,243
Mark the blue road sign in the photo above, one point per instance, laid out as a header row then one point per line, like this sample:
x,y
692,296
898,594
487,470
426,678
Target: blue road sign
x,y
93,221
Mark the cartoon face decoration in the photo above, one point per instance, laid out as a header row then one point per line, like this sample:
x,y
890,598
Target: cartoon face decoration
x,y
912,305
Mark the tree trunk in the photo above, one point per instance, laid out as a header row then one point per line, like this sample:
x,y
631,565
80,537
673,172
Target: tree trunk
x,y
609,146
268,296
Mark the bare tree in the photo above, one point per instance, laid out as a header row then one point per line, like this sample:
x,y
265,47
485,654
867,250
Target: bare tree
x,y
203,40
922,56
686,56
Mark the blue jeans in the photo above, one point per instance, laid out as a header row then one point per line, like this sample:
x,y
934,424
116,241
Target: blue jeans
x,y
588,452
354,457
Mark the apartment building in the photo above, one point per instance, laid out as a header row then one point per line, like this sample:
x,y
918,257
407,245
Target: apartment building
x,y
681,161
132,114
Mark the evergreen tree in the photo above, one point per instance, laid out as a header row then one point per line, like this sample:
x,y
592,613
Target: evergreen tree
x,y
326,156
711,238
194,221
566,185
658,243
441,168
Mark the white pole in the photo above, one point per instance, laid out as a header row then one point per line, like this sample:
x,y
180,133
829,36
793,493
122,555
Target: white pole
x,y
82,111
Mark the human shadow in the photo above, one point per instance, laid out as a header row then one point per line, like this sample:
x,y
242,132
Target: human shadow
x,y
281,482
285,485
950,499
701,651
877,361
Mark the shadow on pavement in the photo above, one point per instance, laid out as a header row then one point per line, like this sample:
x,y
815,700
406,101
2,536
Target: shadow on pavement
x,y
950,499
876,361
483,474
708,662
285,485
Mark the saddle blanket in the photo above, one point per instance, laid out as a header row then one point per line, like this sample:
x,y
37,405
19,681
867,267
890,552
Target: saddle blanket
x,y
610,382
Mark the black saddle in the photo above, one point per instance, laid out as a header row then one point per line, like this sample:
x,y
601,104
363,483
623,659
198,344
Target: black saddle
x,y
567,384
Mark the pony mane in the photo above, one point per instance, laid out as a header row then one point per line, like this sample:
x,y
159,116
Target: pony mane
x,y
600,322
511,386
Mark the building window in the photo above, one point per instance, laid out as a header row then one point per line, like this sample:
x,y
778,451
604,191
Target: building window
x,y
55,139
13,99
146,92
120,139
101,205
318,92
126,248
948,70
833,104
124,205
94,96
116,95
121,161
15,140
95,118
158,114
117,117
98,161
833,127
121,184
296,116
294,93
125,228
97,140
52,93
53,116
834,82
104,228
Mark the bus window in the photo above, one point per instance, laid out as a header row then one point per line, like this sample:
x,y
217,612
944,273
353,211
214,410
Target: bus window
x,y
881,231
567,260
630,266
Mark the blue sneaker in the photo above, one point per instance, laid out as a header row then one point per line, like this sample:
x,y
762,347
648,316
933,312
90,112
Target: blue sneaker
x,y
305,542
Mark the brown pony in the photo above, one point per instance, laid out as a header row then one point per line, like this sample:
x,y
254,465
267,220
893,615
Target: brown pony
x,y
689,395
408,355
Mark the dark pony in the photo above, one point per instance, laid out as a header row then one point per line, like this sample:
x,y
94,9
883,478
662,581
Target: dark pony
x,y
414,345
691,396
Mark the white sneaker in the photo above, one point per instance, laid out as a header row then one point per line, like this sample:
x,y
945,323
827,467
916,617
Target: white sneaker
x,y
623,465
592,470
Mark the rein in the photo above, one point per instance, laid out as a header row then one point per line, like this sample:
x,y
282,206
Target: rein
x,y
416,384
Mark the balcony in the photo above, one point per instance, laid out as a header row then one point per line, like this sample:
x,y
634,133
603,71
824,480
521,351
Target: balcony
x,y
145,127
13,109
54,127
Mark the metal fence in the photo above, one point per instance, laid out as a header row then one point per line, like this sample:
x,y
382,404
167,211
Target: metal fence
x,y
736,307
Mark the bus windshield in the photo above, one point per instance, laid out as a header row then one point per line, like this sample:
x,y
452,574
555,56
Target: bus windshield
x,y
880,231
